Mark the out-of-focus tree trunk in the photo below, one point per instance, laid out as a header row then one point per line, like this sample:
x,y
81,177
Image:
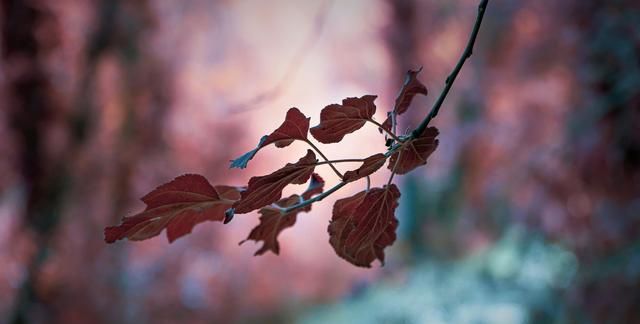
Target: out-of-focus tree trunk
x,y
36,110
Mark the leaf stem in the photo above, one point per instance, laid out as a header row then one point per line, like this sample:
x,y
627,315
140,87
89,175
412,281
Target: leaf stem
x,y
340,161
314,199
452,76
387,131
393,172
325,158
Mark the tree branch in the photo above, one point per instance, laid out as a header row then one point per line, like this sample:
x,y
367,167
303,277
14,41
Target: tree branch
x,y
314,199
418,130
452,76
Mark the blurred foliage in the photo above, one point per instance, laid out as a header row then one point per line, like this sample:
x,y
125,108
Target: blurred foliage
x,y
516,281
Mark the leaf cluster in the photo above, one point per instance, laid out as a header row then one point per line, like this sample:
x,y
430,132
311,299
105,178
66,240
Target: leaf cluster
x,y
361,226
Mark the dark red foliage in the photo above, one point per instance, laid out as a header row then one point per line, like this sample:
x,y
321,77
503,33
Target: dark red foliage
x,y
273,221
364,224
316,186
415,152
411,87
265,190
177,206
294,127
336,121
369,166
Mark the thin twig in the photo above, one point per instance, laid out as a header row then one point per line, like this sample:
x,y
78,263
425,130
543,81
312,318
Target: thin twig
x,y
325,158
387,131
393,149
452,76
314,199
340,161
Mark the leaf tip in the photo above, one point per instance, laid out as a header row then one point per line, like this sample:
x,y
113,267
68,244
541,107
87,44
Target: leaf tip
x,y
109,235
242,161
228,215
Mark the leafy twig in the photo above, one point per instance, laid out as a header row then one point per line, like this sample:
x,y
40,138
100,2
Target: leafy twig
x,y
423,125
368,214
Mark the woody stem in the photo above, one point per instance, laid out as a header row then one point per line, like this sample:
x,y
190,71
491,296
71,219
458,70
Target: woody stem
x,y
452,76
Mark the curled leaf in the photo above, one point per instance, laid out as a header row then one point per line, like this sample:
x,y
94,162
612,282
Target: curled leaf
x,y
177,206
294,127
273,221
368,167
364,224
411,87
265,190
387,124
336,121
316,186
415,152
242,161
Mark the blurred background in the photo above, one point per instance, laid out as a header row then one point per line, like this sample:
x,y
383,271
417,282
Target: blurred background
x,y
528,212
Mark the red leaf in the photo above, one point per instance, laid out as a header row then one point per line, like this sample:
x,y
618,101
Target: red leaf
x,y
369,166
177,206
387,123
364,224
316,186
336,121
294,127
414,153
410,89
265,190
272,221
